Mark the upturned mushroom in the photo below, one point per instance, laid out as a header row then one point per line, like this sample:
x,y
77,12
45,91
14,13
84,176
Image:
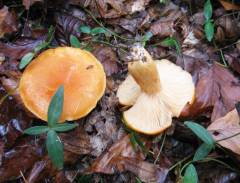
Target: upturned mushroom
x,y
81,74
157,90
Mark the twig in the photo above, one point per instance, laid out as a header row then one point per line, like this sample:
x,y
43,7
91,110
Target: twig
x,y
163,142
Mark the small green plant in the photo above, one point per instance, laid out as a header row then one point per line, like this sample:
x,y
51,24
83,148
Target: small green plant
x,y
27,58
53,142
190,175
208,24
146,38
87,30
170,41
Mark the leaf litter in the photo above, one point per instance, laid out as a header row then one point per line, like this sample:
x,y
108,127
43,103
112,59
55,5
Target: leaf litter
x,y
100,145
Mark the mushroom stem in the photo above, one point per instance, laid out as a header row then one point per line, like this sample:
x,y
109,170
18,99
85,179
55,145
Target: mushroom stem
x,y
144,71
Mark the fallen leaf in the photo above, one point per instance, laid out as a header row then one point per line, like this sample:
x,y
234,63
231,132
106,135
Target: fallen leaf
x,y
108,58
20,158
28,3
14,51
229,5
122,157
227,128
172,20
217,90
67,25
8,21
112,8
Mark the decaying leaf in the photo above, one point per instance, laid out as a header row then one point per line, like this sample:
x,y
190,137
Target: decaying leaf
x,y
172,20
217,90
112,8
228,5
226,131
108,58
67,25
8,21
28,3
21,158
14,51
122,157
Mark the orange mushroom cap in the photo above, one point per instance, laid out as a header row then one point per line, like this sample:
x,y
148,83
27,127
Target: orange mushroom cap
x,y
81,74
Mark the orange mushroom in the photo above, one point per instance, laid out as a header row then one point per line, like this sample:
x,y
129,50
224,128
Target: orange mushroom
x,y
81,74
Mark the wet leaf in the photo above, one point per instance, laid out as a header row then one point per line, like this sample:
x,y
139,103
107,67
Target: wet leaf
x,y
190,175
36,130
201,132
55,107
26,59
55,149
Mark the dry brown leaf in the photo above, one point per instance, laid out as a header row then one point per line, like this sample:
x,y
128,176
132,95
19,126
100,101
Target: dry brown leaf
x,y
108,58
112,8
8,21
122,157
225,128
28,3
217,89
228,5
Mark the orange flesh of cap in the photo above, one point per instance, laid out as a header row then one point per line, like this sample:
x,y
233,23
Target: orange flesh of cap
x,y
77,70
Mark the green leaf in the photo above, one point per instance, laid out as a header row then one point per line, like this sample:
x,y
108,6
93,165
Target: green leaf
x,y
138,180
98,30
26,59
50,35
55,149
207,10
202,151
172,42
85,29
147,36
209,30
201,132
41,46
85,179
74,41
55,107
136,140
64,127
190,175
36,130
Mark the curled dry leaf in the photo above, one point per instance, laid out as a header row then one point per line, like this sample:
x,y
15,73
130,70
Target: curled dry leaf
x,y
66,25
122,157
28,3
8,21
108,58
226,131
16,50
217,90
